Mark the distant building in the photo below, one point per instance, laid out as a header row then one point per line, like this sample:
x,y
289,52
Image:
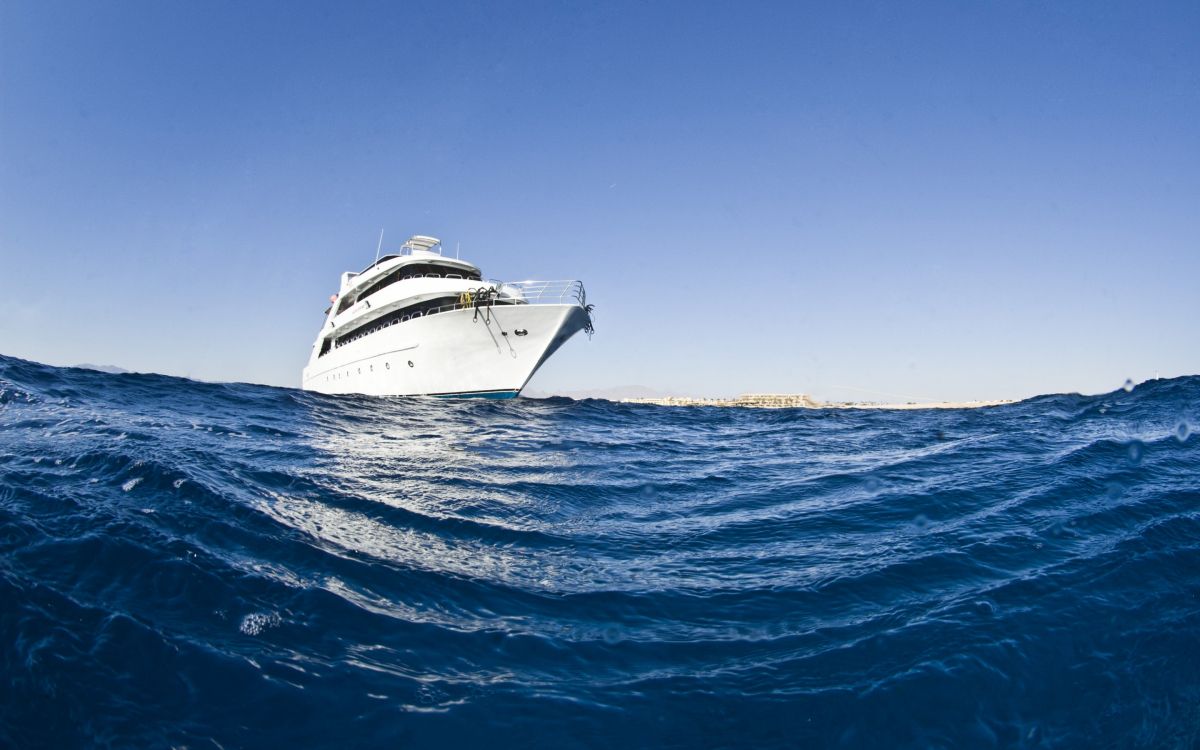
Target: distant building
x,y
775,400
753,400
800,401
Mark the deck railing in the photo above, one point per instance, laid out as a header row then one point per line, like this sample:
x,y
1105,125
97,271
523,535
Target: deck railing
x,y
544,292
525,292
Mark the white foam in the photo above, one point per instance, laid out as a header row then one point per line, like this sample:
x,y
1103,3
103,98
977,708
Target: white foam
x,y
256,622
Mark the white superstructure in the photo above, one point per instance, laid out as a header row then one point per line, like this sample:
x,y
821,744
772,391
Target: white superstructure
x,y
420,323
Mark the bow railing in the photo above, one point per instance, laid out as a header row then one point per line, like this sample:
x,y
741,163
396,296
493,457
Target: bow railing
x,y
520,292
543,292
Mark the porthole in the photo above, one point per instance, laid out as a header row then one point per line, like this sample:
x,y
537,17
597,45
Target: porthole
x,y
410,364
387,365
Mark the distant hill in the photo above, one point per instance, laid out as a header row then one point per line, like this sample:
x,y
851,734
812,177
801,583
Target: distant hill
x,y
110,369
615,393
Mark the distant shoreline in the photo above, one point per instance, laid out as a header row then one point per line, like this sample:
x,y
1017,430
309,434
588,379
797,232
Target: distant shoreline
x,y
803,401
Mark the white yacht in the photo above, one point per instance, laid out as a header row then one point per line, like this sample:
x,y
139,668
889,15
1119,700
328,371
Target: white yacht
x,y
419,323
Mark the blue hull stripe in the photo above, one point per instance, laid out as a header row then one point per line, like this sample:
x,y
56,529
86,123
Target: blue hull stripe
x,y
477,394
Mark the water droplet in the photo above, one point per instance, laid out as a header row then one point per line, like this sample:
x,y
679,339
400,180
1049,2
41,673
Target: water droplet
x,y
1136,451
1182,432
1128,385
984,607
921,522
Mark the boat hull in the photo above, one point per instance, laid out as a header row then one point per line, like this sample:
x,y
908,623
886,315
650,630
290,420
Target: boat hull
x,y
484,353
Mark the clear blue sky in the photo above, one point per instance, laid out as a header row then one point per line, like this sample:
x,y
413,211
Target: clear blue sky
x,y
940,200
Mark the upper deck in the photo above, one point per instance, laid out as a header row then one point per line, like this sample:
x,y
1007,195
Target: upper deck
x,y
419,257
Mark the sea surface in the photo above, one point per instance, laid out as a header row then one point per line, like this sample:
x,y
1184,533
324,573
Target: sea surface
x,y
200,565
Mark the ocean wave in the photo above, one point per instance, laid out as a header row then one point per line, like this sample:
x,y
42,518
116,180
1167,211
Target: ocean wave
x,y
200,564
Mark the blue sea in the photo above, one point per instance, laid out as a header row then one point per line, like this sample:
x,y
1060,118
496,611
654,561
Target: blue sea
x,y
197,565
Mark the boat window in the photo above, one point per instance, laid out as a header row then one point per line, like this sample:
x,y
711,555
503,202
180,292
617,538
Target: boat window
x,y
411,312
416,271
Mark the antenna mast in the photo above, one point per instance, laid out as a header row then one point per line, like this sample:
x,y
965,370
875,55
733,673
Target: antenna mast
x,y
379,245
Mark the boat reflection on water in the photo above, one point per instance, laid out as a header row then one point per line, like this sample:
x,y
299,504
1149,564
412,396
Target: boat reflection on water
x,y
431,486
